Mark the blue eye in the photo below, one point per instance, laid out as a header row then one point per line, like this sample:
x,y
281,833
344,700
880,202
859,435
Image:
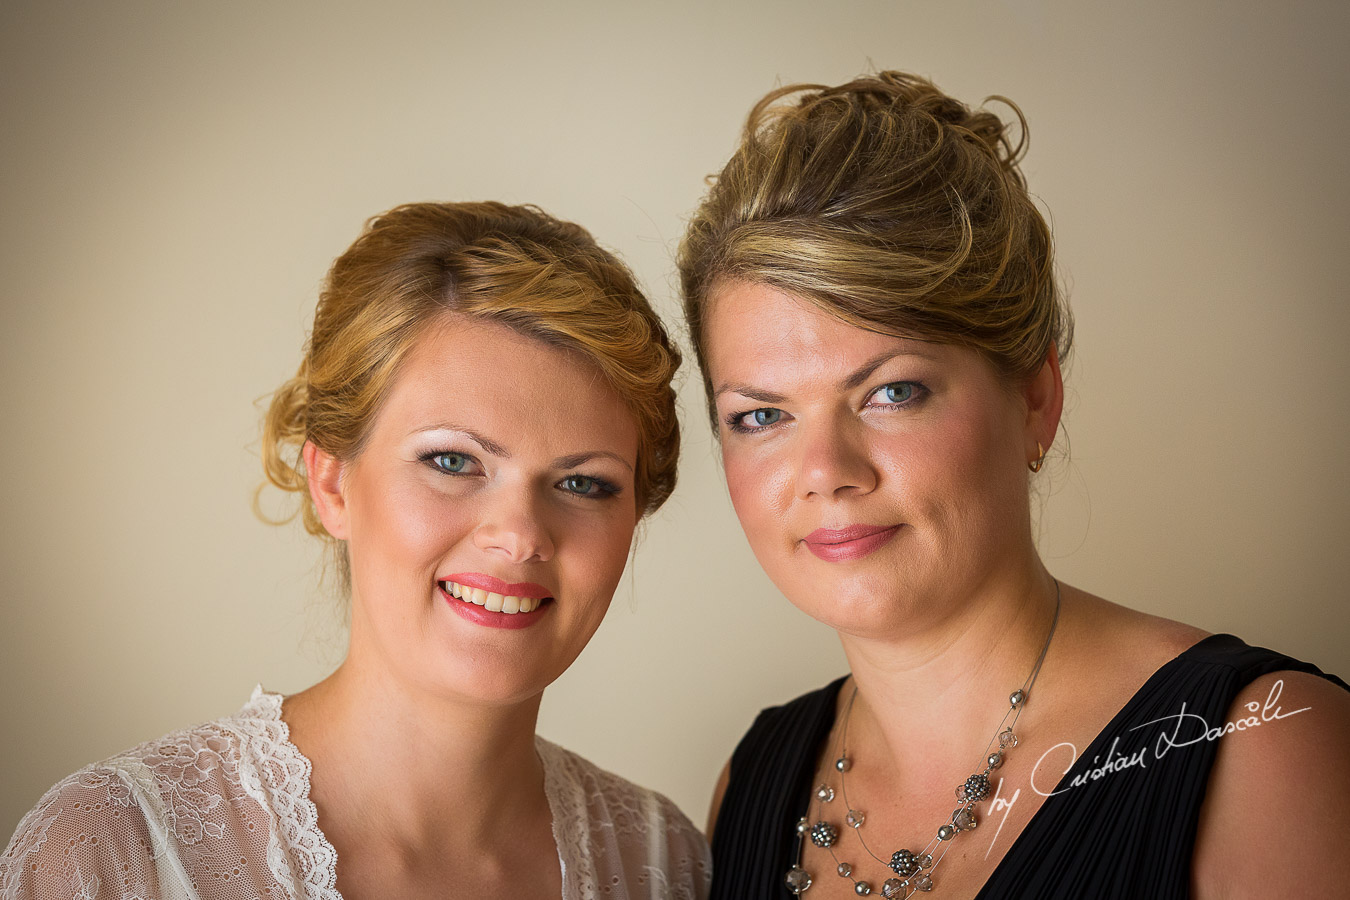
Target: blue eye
x,y
450,462
585,486
752,420
764,417
756,418
579,484
899,391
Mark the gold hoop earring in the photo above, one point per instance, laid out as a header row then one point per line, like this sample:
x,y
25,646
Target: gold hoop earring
x,y
1035,464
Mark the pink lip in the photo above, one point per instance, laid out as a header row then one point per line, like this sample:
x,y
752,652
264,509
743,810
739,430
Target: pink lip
x,y
497,586
844,544
481,616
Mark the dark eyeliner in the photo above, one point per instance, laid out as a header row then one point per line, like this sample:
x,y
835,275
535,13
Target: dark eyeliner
x,y
605,489
920,392
430,456
733,421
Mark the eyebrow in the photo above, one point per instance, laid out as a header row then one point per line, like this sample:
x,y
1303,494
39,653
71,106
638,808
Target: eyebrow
x,y
851,381
864,372
486,443
746,390
570,461
577,459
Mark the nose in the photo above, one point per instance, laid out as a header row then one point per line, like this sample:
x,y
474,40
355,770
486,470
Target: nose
x,y
513,528
832,461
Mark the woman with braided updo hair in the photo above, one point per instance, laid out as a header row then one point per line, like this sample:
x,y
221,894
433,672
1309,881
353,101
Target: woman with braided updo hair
x,y
483,414
870,293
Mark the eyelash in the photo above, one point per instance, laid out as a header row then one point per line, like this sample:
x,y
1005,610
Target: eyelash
x,y
603,489
734,421
918,390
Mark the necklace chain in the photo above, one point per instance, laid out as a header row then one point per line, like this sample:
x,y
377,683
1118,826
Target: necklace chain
x,y
912,870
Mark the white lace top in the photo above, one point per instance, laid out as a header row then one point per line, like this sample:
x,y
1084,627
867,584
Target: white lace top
x,y
222,812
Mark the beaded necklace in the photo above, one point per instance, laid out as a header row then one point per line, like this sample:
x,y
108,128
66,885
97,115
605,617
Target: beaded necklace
x,y
912,871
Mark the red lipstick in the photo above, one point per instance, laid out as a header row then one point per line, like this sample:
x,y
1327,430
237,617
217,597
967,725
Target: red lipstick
x,y
849,543
485,617
497,586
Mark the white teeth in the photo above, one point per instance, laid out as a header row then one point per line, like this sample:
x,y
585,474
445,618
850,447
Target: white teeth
x,y
493,602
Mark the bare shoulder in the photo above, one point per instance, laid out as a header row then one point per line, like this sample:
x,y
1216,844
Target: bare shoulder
x,y
1106,637
1112,620
1279,780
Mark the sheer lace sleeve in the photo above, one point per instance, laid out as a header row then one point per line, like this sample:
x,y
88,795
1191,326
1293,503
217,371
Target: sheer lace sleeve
x,y
166,820
616,839
216,812
88,837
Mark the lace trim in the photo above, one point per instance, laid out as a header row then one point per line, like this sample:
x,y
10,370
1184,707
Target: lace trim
x,y
277,776
622,840
570,830
189,809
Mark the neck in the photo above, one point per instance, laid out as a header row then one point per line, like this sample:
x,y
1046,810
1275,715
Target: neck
x,y
391,759
956,669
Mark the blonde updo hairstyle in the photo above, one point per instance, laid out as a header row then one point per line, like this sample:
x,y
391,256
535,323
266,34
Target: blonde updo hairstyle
x,y
515,265
890,205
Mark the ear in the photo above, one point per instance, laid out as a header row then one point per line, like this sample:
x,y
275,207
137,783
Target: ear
x,y
1044,395
324,472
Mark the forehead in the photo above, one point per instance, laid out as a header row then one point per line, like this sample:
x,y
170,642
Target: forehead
x,y
763,342
485,375
759,328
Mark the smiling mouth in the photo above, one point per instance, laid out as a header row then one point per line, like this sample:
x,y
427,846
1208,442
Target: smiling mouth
x,y
493,601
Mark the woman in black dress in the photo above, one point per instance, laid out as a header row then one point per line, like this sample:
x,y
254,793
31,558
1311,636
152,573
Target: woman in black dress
x,y
870,293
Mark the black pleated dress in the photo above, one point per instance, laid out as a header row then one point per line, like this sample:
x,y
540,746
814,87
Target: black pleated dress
x,y
1127,834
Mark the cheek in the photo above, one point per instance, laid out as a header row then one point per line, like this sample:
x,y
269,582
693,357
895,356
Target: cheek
x,y
590,571
991,445
405,525
597,551
613,545
962,472
759,489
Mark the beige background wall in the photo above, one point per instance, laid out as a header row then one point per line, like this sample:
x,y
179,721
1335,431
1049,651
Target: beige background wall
x,y
176,177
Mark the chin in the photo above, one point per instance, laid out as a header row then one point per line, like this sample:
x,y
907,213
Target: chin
x,y
858,616
490,685
866,604
477,673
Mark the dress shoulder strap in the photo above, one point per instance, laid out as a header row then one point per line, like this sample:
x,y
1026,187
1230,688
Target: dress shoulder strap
x,y
1131,802
1248,663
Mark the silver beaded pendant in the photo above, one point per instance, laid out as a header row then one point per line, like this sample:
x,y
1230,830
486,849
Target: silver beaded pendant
x,y
903,863
911,870
824,834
